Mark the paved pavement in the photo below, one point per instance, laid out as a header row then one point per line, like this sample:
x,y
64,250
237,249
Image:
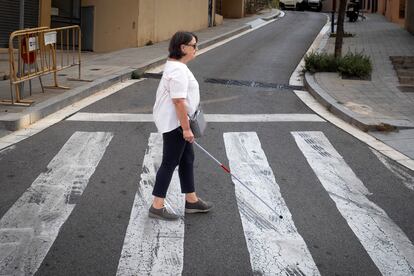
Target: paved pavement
x,y
371,104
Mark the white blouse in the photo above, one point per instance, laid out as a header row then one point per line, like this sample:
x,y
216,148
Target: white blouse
x,y
177,82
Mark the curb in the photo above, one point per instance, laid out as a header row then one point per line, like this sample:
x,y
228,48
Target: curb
x,y
16,121
331,104
268,18
343,113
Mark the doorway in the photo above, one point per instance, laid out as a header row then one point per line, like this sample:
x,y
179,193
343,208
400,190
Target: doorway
x,y
87,17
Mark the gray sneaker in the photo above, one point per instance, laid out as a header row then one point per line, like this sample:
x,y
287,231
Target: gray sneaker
x,y
162,214
200,206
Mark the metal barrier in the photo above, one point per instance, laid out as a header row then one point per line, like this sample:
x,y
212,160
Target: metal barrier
x,y
41,51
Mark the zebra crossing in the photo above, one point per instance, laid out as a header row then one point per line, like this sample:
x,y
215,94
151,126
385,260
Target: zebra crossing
x,y
152,247
29,228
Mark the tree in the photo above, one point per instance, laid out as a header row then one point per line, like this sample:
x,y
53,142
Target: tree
x,y
340,28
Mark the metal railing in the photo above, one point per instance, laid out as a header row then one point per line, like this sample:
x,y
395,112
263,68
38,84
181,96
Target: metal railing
x,y
41,51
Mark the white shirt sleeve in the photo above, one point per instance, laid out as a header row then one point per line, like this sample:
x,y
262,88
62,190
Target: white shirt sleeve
x,y
178,83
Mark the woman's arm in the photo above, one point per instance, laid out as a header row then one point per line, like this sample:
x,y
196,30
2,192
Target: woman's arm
x,y
181,110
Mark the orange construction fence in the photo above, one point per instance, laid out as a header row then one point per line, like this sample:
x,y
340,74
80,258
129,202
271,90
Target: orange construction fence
x,y
41,51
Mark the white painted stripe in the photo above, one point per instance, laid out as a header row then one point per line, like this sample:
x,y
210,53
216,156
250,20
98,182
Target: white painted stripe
x,y
402,173
60,115
30,226
388,151
216,118
263,118
385,242
151,246
275,246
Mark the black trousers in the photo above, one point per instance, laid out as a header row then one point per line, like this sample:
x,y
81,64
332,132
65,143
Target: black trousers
x,y
176,152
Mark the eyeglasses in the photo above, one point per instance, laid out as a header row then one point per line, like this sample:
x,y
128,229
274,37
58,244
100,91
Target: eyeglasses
x,y
192,45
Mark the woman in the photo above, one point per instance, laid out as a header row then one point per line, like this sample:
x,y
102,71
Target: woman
x,y
177,97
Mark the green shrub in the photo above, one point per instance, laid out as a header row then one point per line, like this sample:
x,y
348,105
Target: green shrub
x,y
320,62
352,65
355,65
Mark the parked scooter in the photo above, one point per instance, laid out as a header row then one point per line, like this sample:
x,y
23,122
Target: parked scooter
x,y
352,10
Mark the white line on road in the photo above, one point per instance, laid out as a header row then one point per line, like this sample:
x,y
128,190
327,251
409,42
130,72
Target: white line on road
x,y
153,247
31,225
60,115
275,246
401,172
385,242
354,131
217,118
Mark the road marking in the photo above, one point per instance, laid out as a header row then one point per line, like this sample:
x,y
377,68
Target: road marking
x,y
30,226
402,173
151,246
388,151
217,118
385,242
60,115
275,246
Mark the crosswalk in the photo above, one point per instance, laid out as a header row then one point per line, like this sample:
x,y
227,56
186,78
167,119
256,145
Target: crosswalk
x,y
29,228
151,247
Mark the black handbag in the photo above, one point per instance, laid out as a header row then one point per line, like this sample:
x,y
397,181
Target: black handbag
x,y
198,123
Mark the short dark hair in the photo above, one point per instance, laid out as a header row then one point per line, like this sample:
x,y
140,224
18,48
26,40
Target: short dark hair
x,y
178,39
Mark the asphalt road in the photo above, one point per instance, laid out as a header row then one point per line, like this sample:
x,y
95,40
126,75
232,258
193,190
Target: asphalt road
x,y
90,241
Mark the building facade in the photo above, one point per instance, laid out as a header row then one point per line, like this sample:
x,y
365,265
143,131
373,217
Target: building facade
x,y
398,11
109,25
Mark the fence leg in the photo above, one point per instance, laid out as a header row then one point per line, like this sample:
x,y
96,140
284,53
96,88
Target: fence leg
x,y
41,84
56,85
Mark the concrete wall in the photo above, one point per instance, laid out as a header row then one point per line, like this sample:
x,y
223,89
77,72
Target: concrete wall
x,y
132,23
409,16
233,8
160,19
44,12
392,11
115,24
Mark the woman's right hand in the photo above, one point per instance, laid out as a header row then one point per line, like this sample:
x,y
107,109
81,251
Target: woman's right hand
x,y
188,135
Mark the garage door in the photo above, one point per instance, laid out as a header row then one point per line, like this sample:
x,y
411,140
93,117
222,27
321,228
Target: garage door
x,y
10,18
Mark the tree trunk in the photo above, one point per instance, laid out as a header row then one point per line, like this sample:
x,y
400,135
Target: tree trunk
x,y
340,28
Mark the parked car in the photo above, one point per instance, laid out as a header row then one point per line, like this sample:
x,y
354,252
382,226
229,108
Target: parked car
x,y
315,5
298,5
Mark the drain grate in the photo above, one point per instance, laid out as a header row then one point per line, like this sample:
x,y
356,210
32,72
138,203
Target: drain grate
x,y
254,84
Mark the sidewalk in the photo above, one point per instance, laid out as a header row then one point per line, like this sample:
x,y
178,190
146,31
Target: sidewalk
x,y
377,106
104,70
